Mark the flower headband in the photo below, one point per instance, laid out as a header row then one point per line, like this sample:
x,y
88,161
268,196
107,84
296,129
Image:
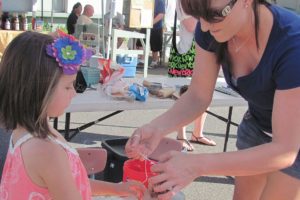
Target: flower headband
x,y
68,52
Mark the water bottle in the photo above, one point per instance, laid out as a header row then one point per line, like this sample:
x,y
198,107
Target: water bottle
x,y
7,24
25,24
17,24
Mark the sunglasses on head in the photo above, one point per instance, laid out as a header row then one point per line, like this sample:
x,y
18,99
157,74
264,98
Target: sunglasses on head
x,y
215,16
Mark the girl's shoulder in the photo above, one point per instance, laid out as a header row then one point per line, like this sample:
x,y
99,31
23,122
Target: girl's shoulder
x,y
43,153
41,157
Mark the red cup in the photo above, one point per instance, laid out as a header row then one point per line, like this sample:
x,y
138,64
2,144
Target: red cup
x,y
138,170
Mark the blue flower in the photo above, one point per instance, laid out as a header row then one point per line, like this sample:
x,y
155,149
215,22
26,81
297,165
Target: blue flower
x,y
68,52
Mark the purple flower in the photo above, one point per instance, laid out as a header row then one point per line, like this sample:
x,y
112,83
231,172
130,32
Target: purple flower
x,y
68,52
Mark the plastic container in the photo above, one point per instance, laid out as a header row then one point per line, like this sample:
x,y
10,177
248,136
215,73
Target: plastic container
x,y
116,157
138,170
91,75
129,62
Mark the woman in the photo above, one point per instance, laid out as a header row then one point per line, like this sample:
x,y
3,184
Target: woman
x,y
258,46
72,19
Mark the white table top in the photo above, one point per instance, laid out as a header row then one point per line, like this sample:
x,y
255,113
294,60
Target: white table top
x,y
97,100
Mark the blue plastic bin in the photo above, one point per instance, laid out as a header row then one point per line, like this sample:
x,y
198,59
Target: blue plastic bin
x,y
129,62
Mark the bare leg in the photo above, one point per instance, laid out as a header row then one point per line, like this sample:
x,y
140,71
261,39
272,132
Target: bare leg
x,y
249,187
181,133
181,136
280,186
197,135
155,56
199,125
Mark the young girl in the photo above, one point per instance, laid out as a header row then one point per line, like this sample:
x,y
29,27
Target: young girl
x,y
37,73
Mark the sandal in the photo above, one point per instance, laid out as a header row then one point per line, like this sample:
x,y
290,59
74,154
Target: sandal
x,y
203,140
186,145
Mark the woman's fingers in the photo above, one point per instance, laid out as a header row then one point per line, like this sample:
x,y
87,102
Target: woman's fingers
x,y
166,196
157,179
166,156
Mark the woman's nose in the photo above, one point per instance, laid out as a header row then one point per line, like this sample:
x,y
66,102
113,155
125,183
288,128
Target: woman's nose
x,y
205,26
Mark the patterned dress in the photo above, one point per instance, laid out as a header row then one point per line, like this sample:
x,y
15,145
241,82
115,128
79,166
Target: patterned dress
x,y
17,185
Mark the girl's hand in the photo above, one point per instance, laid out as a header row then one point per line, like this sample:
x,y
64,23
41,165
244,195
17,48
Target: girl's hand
x,y
143,142
132,188
173,175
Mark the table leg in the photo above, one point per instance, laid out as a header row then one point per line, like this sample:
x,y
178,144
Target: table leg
x,y
70,133
67,126
227,128
55,123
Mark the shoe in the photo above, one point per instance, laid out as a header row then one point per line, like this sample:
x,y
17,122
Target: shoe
x,y
153,64
186,145
203,140
141,61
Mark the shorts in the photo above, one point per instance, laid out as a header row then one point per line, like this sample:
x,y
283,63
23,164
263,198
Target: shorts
x,y
250,135
156,39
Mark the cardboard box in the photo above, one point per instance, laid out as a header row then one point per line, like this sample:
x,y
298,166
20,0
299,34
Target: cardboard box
x,y
138,13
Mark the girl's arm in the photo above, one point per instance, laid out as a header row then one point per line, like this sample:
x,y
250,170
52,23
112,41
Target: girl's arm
x,y
131,188
48,166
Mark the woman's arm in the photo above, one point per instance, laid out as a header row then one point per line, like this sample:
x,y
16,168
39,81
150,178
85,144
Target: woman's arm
x,y
273,156
198,97
158,17
190,106
278,154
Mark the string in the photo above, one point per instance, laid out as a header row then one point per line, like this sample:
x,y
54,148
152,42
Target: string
x,y
145,166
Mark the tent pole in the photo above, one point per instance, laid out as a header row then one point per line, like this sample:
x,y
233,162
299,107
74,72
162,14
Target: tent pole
x,y
51,26
103,31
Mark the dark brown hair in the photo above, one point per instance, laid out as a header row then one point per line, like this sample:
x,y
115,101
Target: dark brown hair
x,y
200,8
76,5
28,78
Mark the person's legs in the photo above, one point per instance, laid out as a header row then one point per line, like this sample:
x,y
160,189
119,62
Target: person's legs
x,y
139,45
249,187
281,186
181,136
197,136
275,186
156,45
155,56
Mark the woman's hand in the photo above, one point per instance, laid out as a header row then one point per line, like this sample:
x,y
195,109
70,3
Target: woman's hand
x,y
143,142
132,188
175,171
